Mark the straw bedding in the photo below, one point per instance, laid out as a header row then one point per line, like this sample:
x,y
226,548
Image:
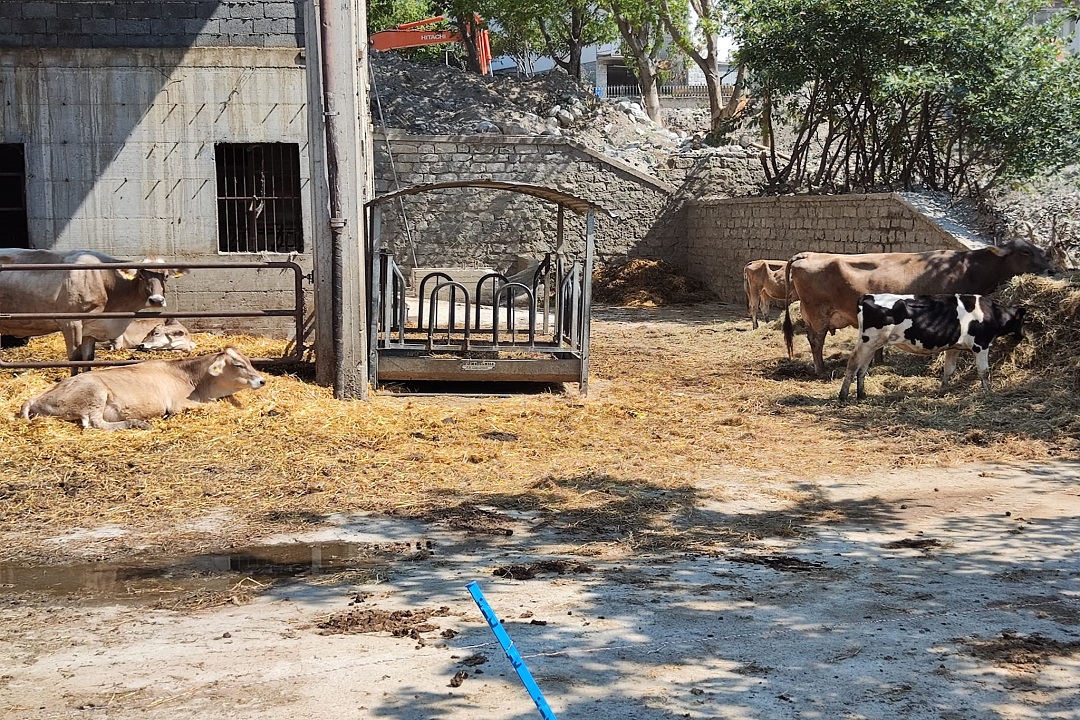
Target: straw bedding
x,y
682,399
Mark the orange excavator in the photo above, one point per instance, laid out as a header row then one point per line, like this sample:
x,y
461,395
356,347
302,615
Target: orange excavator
x,y
412,34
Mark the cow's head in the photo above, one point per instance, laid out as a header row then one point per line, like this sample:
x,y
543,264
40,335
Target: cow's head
x,y
232,371
168,336
1012,321
1022,257
151,281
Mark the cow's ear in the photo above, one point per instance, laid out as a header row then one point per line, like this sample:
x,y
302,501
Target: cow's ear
x,y
999,251
128,273
218,366
179,272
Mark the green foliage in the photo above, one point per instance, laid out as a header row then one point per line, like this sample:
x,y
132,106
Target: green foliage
x,y
386,14
952,94
565,27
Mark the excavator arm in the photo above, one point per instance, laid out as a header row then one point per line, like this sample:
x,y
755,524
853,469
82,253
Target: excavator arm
x,y
412,34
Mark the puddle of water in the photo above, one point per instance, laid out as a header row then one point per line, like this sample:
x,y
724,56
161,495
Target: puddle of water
x,y
172,574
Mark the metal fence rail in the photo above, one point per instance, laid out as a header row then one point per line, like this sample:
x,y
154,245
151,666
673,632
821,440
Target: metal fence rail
x,y
666,91
296,311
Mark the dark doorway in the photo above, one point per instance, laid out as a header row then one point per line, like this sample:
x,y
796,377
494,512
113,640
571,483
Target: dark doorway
x,y
13,196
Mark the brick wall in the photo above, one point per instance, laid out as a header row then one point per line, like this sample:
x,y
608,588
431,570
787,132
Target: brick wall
x,y
473,227
724,234
151,24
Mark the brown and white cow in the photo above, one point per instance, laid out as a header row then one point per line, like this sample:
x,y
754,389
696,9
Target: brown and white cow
x,y
927,325
764,282
153,334
71,291
125,397
830,285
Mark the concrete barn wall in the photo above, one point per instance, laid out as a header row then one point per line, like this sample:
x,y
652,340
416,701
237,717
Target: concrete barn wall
x,y
475,227
724,234
120,155
119,104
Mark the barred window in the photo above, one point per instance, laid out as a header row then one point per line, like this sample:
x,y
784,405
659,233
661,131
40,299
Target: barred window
x,y
13,196
258,190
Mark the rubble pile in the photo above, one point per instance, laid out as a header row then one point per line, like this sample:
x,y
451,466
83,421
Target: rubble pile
x,y
442,100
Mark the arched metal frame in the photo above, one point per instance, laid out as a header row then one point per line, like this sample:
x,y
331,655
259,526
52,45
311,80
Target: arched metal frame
x,y
434,348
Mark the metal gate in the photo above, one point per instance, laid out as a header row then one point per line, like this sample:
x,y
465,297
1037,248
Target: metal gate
x,y
531,331
296,311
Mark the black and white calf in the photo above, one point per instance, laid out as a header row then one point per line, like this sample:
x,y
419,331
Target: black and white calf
x,y
927,325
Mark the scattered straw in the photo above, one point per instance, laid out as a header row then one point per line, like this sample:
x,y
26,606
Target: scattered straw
x,y
685,402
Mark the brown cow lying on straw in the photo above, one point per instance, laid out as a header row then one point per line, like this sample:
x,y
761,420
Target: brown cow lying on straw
x,y
125,397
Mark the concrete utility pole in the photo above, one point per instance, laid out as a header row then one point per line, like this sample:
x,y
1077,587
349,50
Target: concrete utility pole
x,y
337,95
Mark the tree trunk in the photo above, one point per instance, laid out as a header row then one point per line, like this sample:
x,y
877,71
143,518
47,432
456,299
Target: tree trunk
x,y
572,63
639,40
573,68
469,30
650,93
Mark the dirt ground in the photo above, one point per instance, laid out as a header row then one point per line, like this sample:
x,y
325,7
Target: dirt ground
x,y
930,588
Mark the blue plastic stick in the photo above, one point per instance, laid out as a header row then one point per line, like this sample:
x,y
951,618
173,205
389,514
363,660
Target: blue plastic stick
x,y
511,652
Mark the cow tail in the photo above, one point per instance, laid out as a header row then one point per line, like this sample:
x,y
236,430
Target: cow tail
x,y
789,327
746,289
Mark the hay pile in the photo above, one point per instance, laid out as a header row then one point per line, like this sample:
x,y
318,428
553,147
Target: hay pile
x,y
1052,345
647,282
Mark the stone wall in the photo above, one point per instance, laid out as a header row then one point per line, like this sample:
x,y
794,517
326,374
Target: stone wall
x,y
724,234
476,227
150,24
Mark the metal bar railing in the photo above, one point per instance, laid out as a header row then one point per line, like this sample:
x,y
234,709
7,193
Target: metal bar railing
x,y
510,290
542,277
497,280
664,91
296,312
436,277
392,306
451,324
443,327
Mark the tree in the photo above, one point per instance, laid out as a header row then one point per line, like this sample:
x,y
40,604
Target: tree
x,y
712,21
639,25
566,26
385,14
466,19
521,42
951,94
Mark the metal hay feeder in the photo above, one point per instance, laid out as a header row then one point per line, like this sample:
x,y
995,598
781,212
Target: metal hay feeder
x,y
452,337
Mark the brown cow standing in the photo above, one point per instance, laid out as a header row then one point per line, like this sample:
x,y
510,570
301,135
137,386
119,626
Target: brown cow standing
x,y
125,397
72,291
830,285
764,281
